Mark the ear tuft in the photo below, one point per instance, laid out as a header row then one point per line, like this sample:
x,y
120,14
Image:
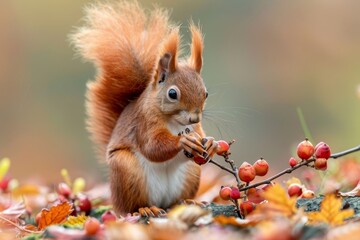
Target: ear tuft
x,y
171,47
197,45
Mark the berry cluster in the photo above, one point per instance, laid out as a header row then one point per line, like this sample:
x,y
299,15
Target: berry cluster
x,y
245,196
82,206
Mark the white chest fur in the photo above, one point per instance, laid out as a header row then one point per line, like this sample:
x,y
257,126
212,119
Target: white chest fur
x,y
164,180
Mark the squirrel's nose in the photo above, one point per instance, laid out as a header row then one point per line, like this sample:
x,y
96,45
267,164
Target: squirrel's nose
x,y
194,119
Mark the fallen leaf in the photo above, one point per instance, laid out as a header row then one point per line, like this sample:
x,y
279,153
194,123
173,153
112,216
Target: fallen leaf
x,y
233,221
330,212
75,222
11,214
187,213
352,193
278,203
57,214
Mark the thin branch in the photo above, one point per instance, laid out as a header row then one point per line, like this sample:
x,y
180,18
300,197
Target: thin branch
x,y
233,171
222,167
17,226
346,152
304,163
285,171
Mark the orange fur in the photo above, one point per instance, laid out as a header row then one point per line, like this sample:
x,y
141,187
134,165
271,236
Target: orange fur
x,y
172,45
137,126
123,41
197,45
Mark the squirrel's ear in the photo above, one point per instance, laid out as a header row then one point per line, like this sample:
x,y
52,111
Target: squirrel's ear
x,y
163,70
171,47
197,45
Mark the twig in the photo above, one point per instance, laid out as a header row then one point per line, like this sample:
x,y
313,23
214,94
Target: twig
x,y
17,226
222,167
285,171
233,171
343,153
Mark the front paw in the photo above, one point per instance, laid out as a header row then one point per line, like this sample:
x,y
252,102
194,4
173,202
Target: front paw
x,y
210,146
191,143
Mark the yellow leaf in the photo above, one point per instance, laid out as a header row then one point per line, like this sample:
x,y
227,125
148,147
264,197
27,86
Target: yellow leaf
x,y
57,214
278,203
330,212
4,167
75,222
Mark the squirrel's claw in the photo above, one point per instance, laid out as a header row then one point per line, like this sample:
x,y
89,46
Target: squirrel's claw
x,y
152,212
192,143
210,146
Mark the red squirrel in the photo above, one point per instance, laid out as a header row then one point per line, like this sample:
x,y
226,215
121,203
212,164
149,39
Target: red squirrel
x,y
145,106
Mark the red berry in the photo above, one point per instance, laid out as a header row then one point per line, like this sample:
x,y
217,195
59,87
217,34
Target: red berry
x,y
108,216
84,204
64,189
235,193
225,193
292,162
5,183
247,207
320,164
294,190
322,151
91,226
305,149
246,172
199,160
261,167
308,194
222,147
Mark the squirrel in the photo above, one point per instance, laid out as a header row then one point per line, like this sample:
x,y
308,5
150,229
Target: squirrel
x,y
145,106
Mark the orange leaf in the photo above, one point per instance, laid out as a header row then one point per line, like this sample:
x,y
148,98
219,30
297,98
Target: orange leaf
x,y
57,214
330,212
278,203
237,222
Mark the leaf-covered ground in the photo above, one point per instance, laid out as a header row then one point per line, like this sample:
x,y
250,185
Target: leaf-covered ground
x,y
75,211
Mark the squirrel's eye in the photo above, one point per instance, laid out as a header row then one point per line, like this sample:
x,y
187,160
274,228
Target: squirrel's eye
x,y
172,94
206,94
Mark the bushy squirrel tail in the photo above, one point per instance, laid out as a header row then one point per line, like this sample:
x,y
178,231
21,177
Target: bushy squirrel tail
x,y
123,41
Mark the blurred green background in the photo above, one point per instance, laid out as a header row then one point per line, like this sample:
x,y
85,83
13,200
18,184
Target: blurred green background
x,y
263,59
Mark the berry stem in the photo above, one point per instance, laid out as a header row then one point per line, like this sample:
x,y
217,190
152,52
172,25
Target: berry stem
x,y
222,167
234,170
236,203
343,153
